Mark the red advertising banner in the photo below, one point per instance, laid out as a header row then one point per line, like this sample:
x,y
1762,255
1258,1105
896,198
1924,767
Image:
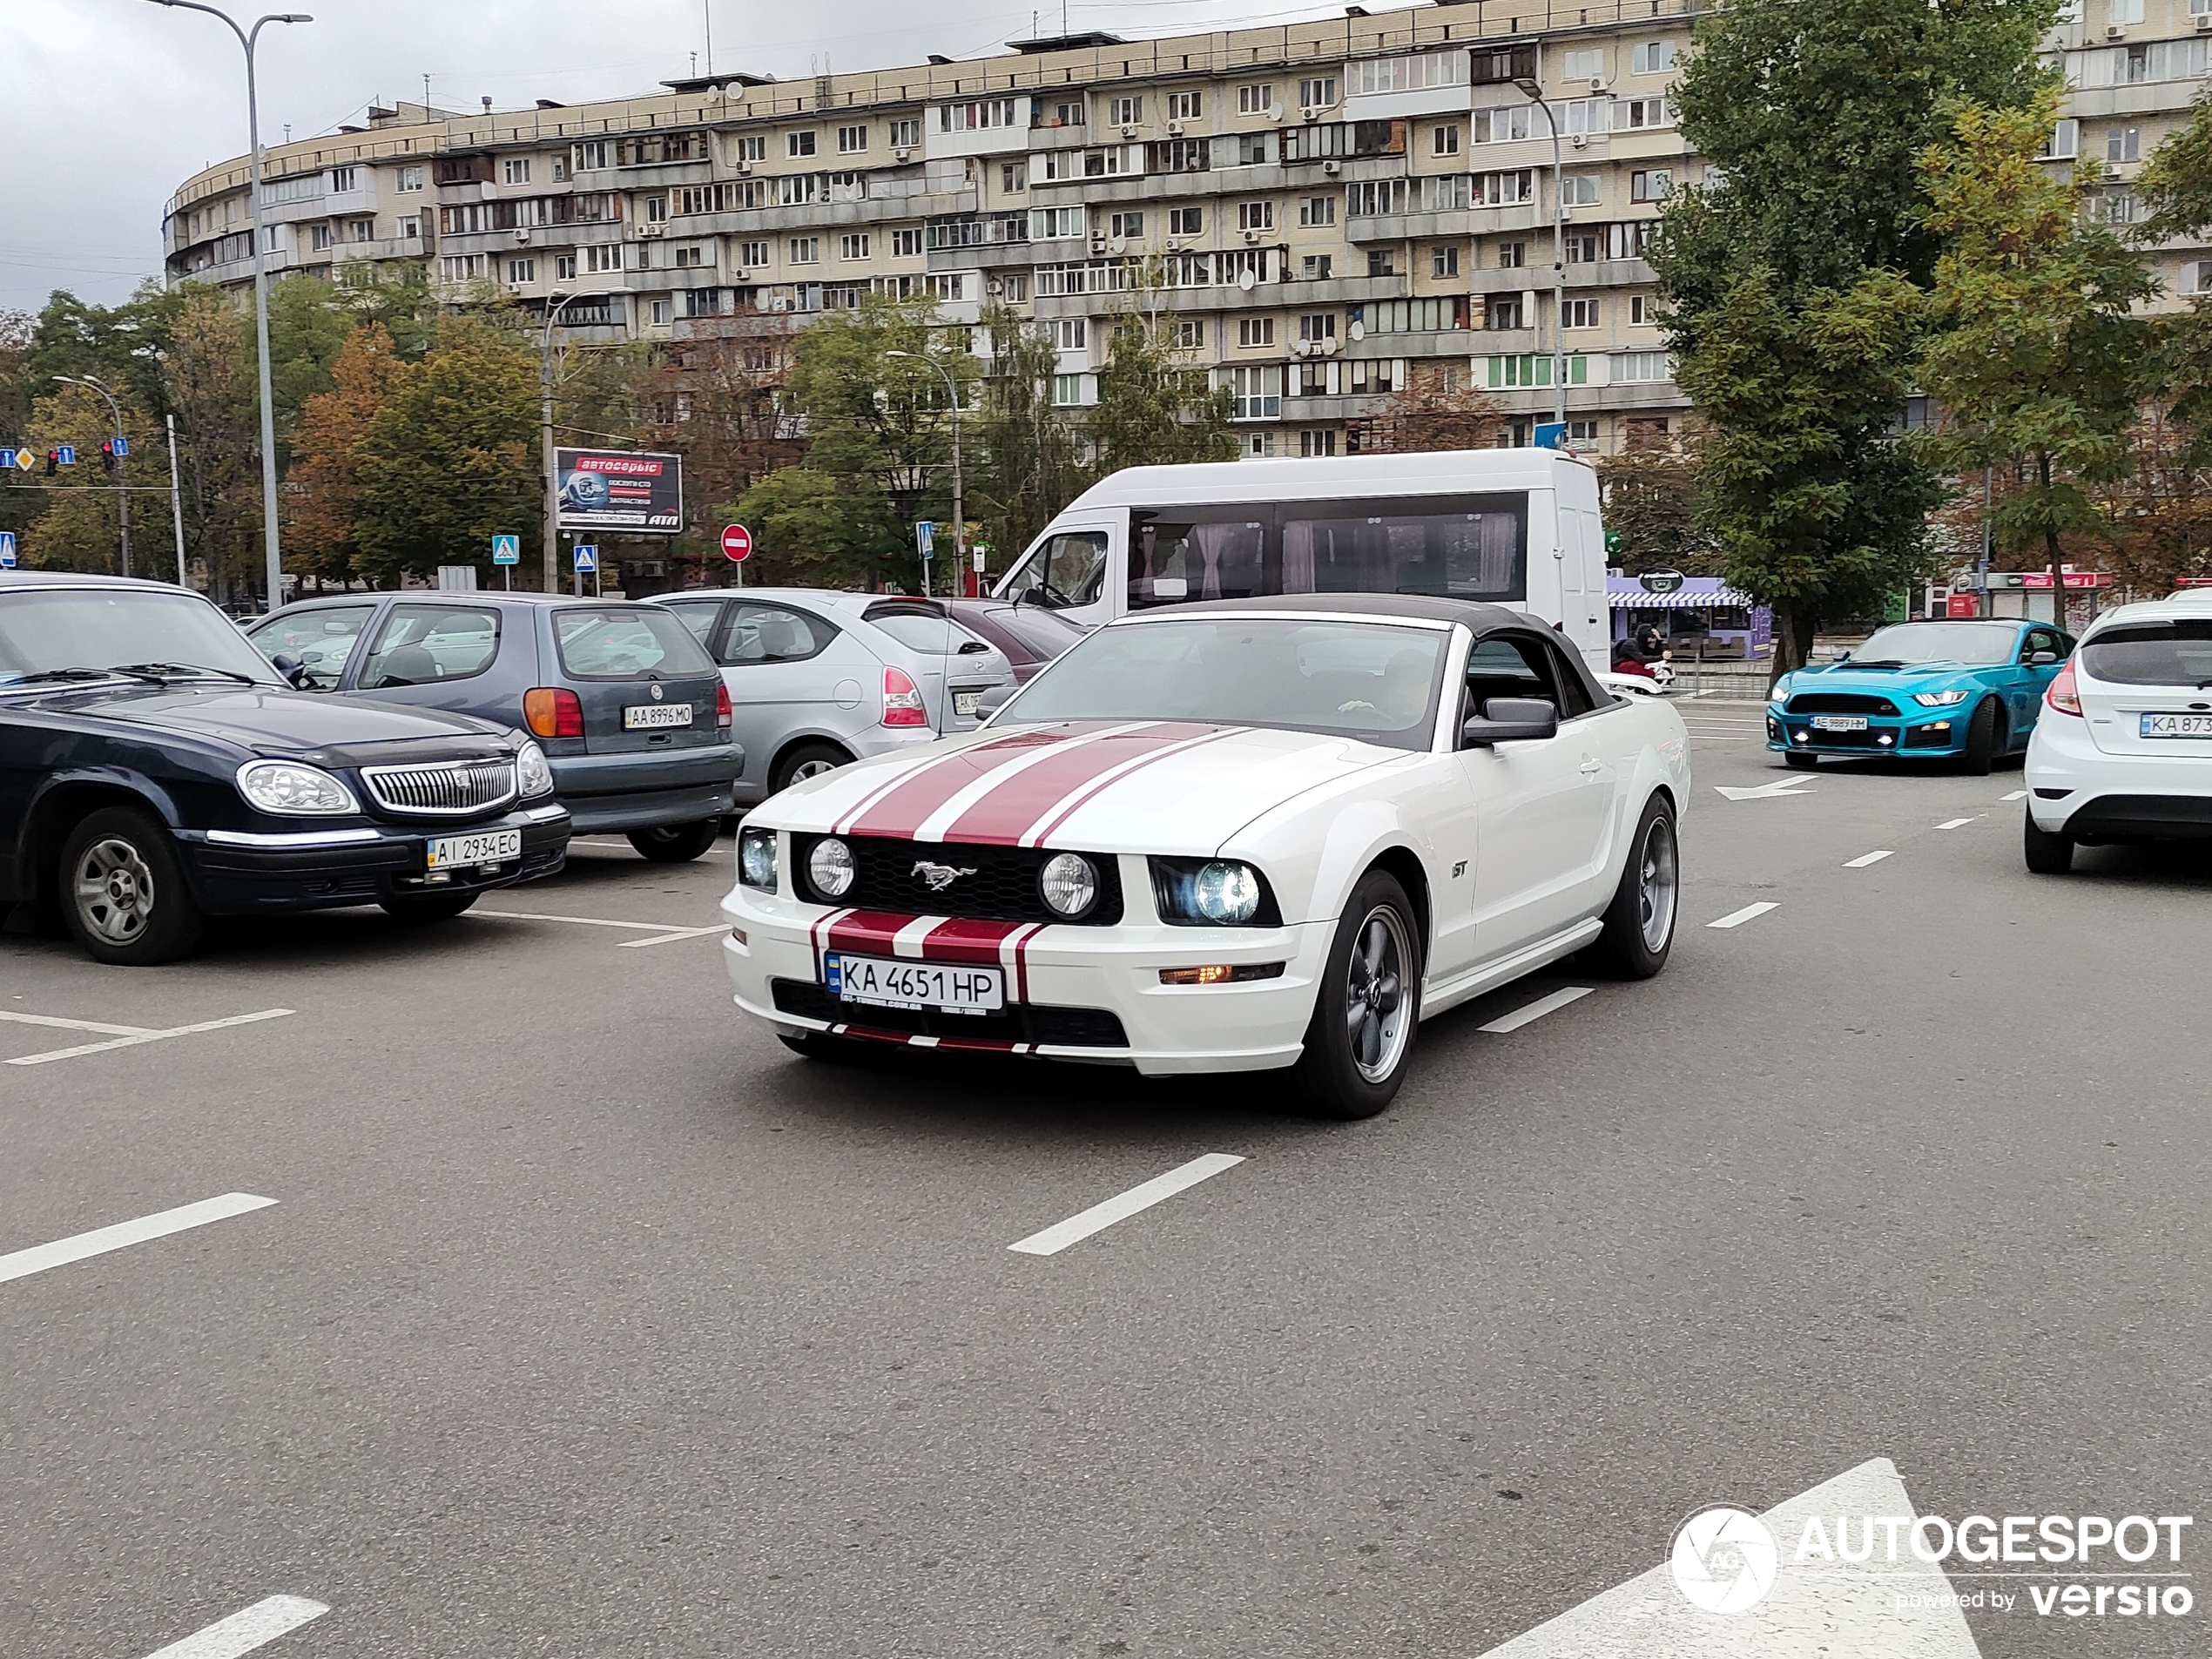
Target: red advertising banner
x,y
620,491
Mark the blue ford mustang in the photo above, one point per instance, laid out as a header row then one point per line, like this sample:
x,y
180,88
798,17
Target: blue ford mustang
x,y
1963,691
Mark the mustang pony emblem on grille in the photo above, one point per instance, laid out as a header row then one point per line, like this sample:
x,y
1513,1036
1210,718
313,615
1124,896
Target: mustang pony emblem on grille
x,y
938,876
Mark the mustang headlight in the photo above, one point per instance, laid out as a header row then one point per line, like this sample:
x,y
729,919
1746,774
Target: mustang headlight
x,y
1940,699
289,790
830,866
1216,892
1781,689
533,776
757,858
1068,885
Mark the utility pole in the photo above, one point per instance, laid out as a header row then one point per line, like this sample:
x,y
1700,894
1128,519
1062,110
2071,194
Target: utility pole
x,y
121,453
1530,89
176,500
555,305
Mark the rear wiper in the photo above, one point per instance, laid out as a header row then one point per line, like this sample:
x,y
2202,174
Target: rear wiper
x,y
174,670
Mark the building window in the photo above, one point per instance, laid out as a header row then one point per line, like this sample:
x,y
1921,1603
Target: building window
x,y
853,245
1070,333
517,169
411,227
1067,390
1578,313
1652,56
752,253
522,270
1317,267
805,250
1190,334
661,311
1655,186
360,230
977,116
1444,261
1185,221
1259,444
1513,256
1255,149
1255,216
1318,94
2125,11
1256,331
1068,115
462,267
702,302
906,133
2124,144
1505,189
564,267
1126,225
1509,125
1255,100
1055,224
1256,392
687,257
1382,262
905,245
851,141
1503,311
799,143
608,257
752,147
318,237
1644,113
951,287
1014,176
1317,326
1443,140
1642,366
410,178
1322,443
1583,189
1318,210
1585,65
2066,141
343,179
1642,309
1125,112
1183,106
593,155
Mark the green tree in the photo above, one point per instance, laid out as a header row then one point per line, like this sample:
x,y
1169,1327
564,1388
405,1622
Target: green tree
x,y
1025,458
1651,505
2178,187
2036,354
1154,407
452,458
208,383
819,531
1791,281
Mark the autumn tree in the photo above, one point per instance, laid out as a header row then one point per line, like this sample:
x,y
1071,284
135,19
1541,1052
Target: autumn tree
x,y
1432,411
1652,505
326,479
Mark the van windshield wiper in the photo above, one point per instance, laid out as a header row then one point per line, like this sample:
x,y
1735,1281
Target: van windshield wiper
x,y
178,670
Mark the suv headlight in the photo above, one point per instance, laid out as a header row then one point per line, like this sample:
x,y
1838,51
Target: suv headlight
x,y
288,789
1212,893
1939,699
757,858
533,774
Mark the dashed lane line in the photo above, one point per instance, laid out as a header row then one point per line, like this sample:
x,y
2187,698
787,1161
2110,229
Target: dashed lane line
x,y
59,1024
1532,1012
23,1262
129,1036
663,932
243,1632
1959,823
1866,858
2018,794
1748,912
1122,1207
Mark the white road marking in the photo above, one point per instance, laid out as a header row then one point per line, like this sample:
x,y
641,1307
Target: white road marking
x,y
1956,823
1748,912
1838,1610
2018,794
1866,858
1536,1010
23,1262
241,1633
137,1037
666,938
1099,1216
1781,789
77,1025
672,929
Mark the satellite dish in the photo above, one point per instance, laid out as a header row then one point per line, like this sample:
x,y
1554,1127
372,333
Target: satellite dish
x,y
1246,280
1358,330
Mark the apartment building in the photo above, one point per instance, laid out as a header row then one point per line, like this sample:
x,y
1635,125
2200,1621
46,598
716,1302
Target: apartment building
x,y
1329,208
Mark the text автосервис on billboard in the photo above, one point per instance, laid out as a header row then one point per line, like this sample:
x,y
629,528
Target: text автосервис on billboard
x,y
620,489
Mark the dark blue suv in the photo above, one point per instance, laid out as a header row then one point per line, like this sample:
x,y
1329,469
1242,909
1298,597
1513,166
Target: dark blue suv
x,y
155,770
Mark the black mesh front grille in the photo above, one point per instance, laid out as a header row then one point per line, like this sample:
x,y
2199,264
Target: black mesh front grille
x,y
1840,703
1021,1022
1848,739
996,883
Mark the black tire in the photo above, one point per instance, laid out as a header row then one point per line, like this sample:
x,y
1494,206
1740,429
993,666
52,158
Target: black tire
x,y
2049,852
816,1045
1982,740
804,760
123,891
1646,904
1798,760
431,906
1331,1077
676,843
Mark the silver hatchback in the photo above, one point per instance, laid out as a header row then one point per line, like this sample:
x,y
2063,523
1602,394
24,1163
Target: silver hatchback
x,y
818,678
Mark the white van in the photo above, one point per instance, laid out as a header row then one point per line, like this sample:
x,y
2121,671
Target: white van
x,y
1514,527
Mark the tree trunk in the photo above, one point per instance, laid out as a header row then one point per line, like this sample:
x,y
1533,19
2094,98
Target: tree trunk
x,y
1793,631
2051,551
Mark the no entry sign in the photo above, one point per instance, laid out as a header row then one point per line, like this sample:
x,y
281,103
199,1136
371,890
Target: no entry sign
x,y
737,543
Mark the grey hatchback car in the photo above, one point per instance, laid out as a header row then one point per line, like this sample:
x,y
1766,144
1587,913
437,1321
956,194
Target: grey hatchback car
x,y
628,709
817,678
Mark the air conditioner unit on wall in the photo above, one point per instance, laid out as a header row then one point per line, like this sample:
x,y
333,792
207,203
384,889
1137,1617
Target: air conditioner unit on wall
x,y
1332,168
1251,236
1129,131
901,154
652,230
2204,20
744,167
1597,83
2115,31
1175,128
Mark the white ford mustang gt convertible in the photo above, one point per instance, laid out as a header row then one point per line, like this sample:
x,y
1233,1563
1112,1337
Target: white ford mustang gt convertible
x,y
1250,833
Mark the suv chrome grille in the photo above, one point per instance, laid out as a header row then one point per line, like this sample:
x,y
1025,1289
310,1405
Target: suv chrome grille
x,y
448,789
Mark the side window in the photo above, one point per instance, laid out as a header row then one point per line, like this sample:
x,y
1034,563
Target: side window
x,y
772,634
429,644
2041,639
1070,566
1180,554
1574,696
1503,666
700,615
321,639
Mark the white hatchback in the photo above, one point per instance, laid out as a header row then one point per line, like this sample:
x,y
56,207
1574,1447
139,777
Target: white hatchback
x,y
2129,758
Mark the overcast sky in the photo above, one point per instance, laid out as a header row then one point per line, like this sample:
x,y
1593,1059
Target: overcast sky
x,y
107,106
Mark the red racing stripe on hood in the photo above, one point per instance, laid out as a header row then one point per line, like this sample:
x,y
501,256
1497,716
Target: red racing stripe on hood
x,y
901,808
1002,816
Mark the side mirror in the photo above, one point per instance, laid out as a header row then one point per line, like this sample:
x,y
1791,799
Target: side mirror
x,y
294,670
995,699
1510,719
2041,658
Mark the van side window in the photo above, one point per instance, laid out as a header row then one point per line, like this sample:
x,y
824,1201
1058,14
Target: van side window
x,y
1179,554
1468,548
1068,568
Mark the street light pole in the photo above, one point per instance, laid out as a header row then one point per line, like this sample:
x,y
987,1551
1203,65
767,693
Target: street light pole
x,y
175,499
1530,89
271,543
960,514
555,305
122,461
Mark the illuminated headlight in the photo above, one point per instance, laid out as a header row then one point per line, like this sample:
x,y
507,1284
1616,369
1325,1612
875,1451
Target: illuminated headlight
x,y
1069,884
1940,699
288,789
1781,689
533,776
757,858
1226,892
830,866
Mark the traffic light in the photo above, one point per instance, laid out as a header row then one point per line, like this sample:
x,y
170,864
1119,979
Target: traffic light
x,y
107,455
53,462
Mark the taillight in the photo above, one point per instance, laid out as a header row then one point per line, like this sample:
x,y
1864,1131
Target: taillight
x,y
550,712
721,706
901,702
2063,696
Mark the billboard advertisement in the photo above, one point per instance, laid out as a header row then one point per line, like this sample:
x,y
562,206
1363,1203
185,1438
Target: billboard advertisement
x,y
620,491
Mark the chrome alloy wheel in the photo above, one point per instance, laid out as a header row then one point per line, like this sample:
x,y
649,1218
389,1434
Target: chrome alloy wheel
x,y
114,890
813,768
1377,1006
1657,884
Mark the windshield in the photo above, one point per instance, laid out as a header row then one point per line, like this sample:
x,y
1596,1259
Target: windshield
x,y
1976,644
43,631
2151,653
1367,680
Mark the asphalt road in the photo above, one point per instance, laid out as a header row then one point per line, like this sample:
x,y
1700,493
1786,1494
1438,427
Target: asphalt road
x,y
590,1322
